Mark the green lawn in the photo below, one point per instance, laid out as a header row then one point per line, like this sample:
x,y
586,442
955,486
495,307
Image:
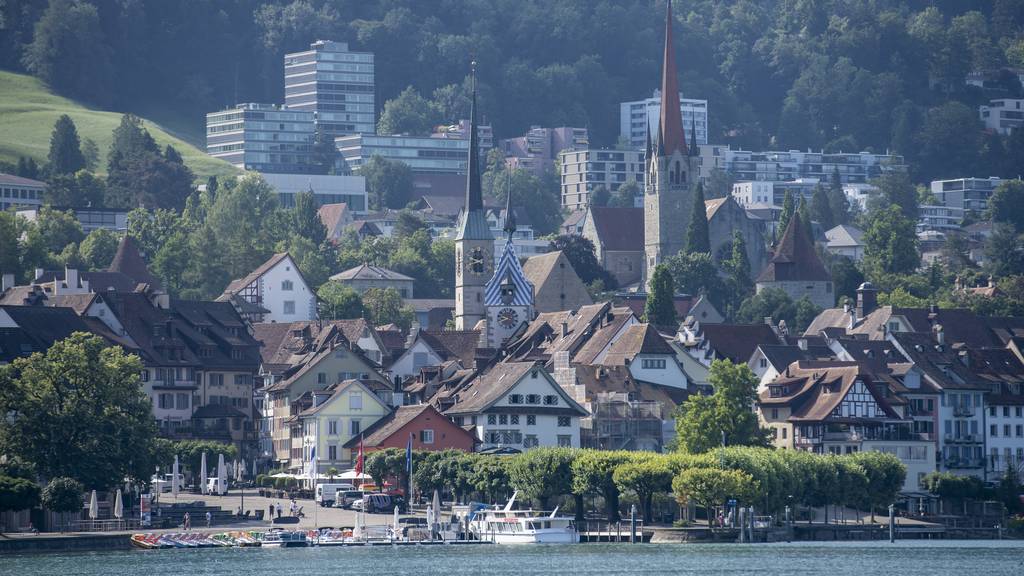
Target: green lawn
x,y
28,110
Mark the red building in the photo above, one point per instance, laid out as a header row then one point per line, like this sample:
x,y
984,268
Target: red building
x,y
429,428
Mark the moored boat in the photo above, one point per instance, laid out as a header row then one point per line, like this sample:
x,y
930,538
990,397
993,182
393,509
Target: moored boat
x,y
285,539
508,526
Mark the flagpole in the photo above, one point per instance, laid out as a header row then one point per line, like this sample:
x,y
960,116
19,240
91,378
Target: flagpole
x,y
315,474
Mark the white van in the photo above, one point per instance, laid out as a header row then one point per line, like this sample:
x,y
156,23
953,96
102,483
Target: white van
x,y
327,493
215,486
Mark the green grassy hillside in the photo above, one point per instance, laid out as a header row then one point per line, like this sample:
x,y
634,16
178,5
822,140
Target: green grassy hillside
x,y
28,111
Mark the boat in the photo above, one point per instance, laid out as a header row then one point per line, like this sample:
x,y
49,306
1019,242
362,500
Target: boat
x,y
148,541
285,539
508,526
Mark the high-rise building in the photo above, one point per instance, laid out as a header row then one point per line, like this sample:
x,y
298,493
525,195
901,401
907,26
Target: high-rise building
x,y
672,169
422,153
584,170
334,82
538,149
262,137
635,118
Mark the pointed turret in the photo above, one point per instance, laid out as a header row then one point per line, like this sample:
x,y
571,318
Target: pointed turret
x,y
510,217
694,150
650,147
473,224
670,127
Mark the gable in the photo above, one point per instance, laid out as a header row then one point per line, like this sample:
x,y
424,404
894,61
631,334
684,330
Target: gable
x,y
859,402
537,381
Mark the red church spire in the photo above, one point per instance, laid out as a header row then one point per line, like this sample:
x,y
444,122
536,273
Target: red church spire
x,y
671,122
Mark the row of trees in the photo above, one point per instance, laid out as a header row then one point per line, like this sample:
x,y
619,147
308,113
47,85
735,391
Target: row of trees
x,y
761,477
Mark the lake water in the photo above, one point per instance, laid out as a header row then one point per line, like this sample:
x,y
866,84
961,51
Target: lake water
x,y
908,558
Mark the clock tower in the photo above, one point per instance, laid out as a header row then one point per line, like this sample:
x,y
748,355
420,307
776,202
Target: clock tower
x,y
508,295
474,241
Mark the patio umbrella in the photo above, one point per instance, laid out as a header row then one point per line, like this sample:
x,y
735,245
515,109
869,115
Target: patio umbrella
x,y
394,522
202,474
222,475
94,506
436,506
174,477
240,471
118,506
357,531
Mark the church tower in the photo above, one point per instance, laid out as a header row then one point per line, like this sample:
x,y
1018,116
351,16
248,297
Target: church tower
x,y
508,295
671,170
474,241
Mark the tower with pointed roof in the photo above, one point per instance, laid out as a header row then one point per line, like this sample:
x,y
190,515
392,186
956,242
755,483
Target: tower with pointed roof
x,y
796,269
473,241
508,295
671,169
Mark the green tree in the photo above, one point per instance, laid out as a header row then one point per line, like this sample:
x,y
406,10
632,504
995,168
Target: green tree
x,y
788,210
98,248
1004,251
625,195
79,190
80,411
325,154
91,154
821,208
710,487
738,269
803,212
592,472
542,474
896,189
57,229
769,302
660,308
837,201
388,183
384,306
890,243
10,248
491,478
885,477
409,113
600,196
581,255
704,422
172,261
63,495
698,240
1006,206
307,219
18,494
645,478
339,302
696,274
65,155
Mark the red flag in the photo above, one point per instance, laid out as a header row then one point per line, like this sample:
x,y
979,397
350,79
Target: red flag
x,y
359,457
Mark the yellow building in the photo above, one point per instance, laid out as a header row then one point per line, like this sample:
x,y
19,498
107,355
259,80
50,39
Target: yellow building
x,y
336,416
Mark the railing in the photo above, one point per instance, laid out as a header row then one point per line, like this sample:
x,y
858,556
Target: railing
x,y
108,525
963,411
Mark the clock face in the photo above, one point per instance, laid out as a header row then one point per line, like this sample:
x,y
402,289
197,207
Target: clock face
x,y
508,317
478,261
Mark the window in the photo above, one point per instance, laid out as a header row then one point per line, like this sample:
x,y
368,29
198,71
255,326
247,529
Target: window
x,y
287,285
332,452
784,432
550,400
289,306
531,420
243,379
515,398
503,419
354,428
492,419
355,400
764,362
1016,411
1006,411
182,401
145,375
427,436
775,413
533,398
564,421
321,377
332,427
514,419
530,441
565,441
1019,430
166,401
653,363
419,360
993,431
1006,430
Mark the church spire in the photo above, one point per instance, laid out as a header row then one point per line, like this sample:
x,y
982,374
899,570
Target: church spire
x,y
694,151
474,194
510,217
670,127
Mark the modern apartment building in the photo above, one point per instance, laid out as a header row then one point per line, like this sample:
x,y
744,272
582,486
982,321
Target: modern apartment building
x,y
635,117
751,193
460,131
89,218
1002,115
18,192
262,137
584,170
328,189
939,218
778,166
965,193
538,149
423,154
335,83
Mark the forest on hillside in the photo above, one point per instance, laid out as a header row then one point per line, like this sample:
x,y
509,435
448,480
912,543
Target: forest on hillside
x,y
825,74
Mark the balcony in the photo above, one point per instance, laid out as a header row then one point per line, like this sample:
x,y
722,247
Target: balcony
x,y
963,411
962,463
963,439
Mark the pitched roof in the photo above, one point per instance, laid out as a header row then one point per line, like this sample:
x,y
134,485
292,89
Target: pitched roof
x,y
671,137
366,271
619,229
443,205
428,304
38,328
12,180
332,216
816,389
129,262
492,385
795,258
843,236
712,206
508,272
238,284
460,344
556,284
737,342
780,356
637,339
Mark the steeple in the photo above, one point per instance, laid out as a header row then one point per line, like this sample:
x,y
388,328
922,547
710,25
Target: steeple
x,y
510,217
474,195
694,150
671,136
650,148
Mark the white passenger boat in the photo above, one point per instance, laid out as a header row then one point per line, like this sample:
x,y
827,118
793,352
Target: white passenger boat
x,y
285,539
508,526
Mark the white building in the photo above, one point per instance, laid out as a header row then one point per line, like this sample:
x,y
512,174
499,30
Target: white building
x,y
18,192
1002,115
328,189
518,405
263,137
845,240
787,166
274,292
939,218
584,170
965,193
751,193
639,116
335,84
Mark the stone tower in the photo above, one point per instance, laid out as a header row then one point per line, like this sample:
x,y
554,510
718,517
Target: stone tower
x,y
671,170
509,295
474,241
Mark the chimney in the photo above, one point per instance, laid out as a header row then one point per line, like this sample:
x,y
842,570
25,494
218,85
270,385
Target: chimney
x,y
991,281
8,282
867,299
940,334
565,329
414,332
965,358
801,343
71,278
768,320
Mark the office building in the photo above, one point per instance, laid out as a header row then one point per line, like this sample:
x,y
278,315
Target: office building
x,y
538,149
1002,115
584,170
422,153
965,193
636,117
18,192
262,137
334,82
90,219
780,166
328,189
460,131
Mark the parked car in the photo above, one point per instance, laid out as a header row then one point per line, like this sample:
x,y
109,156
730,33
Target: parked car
x,y
374,504
344,499
326,493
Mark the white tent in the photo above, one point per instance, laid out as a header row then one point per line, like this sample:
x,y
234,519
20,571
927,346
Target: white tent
x,y
353,475
118,506
202,474
222,475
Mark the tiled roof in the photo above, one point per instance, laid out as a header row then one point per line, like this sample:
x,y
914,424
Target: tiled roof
x,y
428,304
795,258
129,262
460,344
712,206
637,339
332,215
619,229
492,385
370,272
844,236
12,180
240,283
816,389
737,342
781,356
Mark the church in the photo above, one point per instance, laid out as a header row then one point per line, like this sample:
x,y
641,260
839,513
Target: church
x,y
496,301
671,176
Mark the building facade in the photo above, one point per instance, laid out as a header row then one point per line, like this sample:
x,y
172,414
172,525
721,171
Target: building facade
x,y
538,149
262,137
18,192
422,154
766,192
584,170
787,166
638,117
335,83
965,193
328,189
275,292
1003,115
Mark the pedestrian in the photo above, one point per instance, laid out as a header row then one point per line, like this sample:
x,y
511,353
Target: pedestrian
x,y
292,507
209,518
186,521
270,509
278,509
